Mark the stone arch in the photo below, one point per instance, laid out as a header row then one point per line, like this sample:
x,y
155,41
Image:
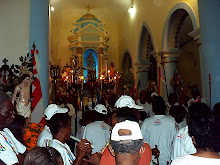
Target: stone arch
x,y
180,51
127,68
179,6
146,65
145,37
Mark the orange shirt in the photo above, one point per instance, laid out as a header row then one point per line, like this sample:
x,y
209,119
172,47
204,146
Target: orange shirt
x,y
108,159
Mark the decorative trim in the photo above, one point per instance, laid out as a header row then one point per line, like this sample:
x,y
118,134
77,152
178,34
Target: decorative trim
x,y
195,34
144,64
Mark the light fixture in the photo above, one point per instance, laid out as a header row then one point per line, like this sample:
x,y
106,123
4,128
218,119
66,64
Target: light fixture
x,y
132,10
51,8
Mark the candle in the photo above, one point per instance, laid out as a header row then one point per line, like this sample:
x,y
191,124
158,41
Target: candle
x,y
82,81
67,82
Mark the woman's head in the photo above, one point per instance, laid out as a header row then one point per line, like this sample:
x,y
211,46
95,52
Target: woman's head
x,y
43,156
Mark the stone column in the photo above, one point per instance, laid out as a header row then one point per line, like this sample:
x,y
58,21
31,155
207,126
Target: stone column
x,y
169,59
79,56
106,64
209,15
101,52
142,74
39,34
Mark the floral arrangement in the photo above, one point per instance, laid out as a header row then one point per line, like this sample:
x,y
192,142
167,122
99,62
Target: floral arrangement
x,y
31,134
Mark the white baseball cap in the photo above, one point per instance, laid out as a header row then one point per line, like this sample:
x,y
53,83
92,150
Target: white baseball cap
x,y
53,109
154,94
128,125
101,109
126,101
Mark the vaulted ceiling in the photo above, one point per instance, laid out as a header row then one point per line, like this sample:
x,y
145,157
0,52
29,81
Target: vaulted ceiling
x,y
111,10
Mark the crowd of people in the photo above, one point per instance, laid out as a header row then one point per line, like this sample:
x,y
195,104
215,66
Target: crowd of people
x,y
149,131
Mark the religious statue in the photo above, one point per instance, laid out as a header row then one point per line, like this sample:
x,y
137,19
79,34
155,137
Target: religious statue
x,y
23,91
151,86
90,62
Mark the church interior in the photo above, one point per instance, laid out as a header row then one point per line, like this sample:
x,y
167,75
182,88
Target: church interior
x,y
135,79
90,47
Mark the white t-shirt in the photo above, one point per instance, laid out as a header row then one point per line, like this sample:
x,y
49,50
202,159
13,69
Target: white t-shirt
x,y
10,147
45,137
98,134
182,144
160,130
66,154
195,160
147,108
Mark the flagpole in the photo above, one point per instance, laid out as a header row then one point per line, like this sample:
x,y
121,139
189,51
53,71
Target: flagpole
x,y
210,90
165,77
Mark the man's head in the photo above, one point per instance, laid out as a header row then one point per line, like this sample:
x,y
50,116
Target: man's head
x,y
7,111
172,98
100,112
53,109
199,110
127,141
60,126
195,92
143,97
158,105
122,114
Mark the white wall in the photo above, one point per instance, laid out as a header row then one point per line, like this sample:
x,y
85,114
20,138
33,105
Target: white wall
x,y
14,30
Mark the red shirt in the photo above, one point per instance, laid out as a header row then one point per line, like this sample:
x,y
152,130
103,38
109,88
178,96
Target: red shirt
x,y
108,159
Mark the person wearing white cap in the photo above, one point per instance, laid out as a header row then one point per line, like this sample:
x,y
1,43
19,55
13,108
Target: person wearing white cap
x,y
45,136
127,143
159,130
127,101
98,132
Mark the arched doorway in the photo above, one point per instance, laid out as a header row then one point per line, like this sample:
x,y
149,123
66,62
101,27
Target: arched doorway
x,y
146,63
127,70
180,51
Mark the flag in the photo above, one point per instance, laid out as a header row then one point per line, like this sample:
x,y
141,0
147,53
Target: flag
x,y
161,76
37,105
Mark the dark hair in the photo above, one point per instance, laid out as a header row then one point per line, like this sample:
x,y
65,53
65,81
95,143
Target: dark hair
x,y
202,131
17,126
127,146
178,112
98,116
159,105
125,113
172,98
42,156
58,121
24,76
4,98
199,110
